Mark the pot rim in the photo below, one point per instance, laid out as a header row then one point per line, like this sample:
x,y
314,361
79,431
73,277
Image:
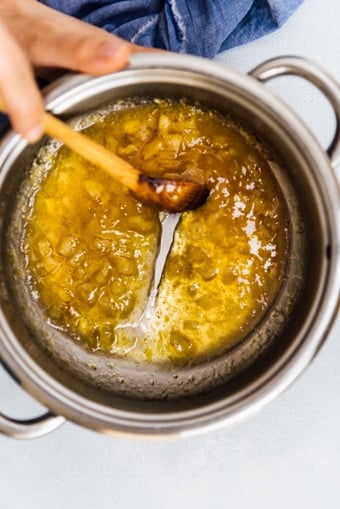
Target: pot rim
x,y
283,372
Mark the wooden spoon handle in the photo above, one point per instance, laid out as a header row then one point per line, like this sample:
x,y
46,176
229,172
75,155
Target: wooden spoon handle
x,y
116,167
161,194
119,169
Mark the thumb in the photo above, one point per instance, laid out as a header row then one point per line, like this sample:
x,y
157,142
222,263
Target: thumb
x,y
54,39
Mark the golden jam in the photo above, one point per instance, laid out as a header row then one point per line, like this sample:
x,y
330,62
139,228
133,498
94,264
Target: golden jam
x,y
90,246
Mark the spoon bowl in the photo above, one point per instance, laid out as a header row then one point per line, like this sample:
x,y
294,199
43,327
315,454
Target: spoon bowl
x,y
171,195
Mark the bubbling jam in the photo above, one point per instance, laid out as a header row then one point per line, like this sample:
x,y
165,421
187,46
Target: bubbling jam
x,y
90,246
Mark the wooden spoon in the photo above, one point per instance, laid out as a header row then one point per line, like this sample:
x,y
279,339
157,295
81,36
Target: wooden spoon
x,y
162,194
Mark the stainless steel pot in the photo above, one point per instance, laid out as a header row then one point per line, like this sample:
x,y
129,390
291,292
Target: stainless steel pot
x,y
281,346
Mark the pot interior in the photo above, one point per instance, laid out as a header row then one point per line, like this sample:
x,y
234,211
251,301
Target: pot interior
x,y
118,384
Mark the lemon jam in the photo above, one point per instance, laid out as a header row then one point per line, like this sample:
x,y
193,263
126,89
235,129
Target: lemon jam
x,y
90,246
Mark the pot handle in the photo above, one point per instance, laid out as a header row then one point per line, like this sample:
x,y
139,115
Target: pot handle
x,y
29,428
311,72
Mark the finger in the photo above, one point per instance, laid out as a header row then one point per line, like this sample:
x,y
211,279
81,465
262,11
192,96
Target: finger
x,y
18,89
53,39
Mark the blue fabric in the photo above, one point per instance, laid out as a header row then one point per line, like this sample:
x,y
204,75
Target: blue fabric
x,y
198,27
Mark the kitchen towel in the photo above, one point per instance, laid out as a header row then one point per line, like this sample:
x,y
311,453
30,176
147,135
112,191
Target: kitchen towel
x,y
198,27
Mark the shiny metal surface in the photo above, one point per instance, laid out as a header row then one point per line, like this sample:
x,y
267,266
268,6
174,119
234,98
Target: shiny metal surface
x,y
313,73
30,428
307,165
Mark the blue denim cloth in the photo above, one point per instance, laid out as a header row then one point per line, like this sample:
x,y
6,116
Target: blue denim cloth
x,y
198,27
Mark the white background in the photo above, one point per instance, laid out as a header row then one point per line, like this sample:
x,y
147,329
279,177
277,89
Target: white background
x,y
286,456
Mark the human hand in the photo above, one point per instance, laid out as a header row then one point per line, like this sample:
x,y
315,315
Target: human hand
x,y
34,38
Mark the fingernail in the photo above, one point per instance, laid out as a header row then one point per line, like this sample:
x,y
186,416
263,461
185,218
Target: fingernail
x,y
34,134
107,50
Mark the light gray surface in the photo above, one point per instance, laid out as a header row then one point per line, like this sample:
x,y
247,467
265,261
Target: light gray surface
x,y
286,456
